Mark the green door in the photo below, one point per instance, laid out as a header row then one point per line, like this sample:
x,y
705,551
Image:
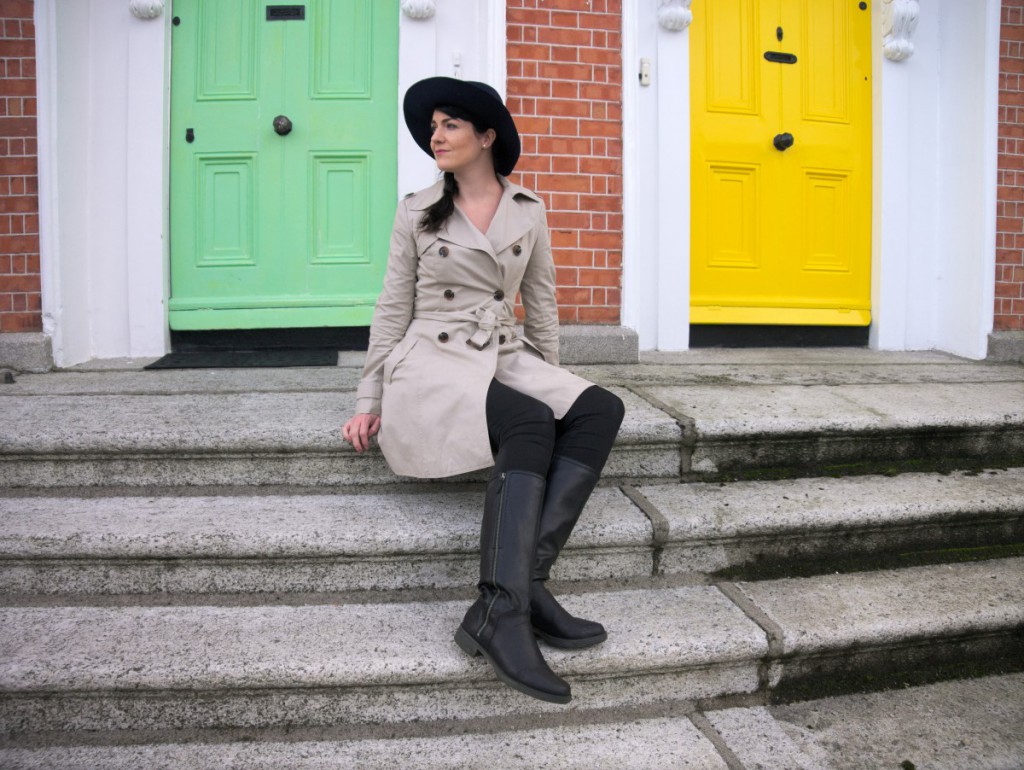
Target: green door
x,y
283,161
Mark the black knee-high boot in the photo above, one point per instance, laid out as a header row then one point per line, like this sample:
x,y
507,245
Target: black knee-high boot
x,y
497,626
569,485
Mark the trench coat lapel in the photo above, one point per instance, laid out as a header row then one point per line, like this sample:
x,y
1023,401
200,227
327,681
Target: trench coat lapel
x,y
460,231
513,219
457,230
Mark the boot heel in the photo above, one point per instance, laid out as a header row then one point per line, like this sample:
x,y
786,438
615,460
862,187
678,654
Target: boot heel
x,y
466,643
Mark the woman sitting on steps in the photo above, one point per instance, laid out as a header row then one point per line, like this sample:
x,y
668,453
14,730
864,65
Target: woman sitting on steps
x,y
451,387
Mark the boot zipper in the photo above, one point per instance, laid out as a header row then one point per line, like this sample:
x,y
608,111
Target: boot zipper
x,y
494,568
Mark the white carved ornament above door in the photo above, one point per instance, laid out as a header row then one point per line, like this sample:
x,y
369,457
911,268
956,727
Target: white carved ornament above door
x,y
899,20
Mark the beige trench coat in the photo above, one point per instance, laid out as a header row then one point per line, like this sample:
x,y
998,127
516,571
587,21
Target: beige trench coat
x,y
444,326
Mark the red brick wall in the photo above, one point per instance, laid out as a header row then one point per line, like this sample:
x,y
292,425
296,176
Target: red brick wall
x,y
565,91
20,307
1009,305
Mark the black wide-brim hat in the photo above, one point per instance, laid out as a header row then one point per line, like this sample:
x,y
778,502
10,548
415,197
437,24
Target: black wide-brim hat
x,y
480,99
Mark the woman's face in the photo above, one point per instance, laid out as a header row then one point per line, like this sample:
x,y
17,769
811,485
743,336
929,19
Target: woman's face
x,y
457,145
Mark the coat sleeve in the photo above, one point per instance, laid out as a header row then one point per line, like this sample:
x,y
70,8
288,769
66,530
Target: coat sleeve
x,y
537,292
393,313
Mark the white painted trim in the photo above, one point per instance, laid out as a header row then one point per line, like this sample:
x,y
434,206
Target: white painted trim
x,y
101,85
147,228
971,338
935,166
417,54
990,172
891,199
429,47
656,164
495,57
46,121
633,242
673,201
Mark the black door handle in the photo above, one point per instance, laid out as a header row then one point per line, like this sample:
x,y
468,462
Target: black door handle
x,y
783,142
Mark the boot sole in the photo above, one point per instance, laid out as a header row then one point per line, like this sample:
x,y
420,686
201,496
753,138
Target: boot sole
x,y
472,648
571,644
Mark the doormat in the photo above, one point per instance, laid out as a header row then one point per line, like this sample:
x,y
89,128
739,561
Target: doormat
x,y
245,359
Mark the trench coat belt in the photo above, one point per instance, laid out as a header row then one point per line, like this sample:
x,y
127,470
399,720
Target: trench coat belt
x,y
486,320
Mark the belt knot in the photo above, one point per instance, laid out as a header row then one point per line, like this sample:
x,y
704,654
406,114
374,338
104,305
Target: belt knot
x,y
486,322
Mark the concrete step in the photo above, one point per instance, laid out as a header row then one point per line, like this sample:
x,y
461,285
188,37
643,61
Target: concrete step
x,y
795,429
804,526
130,669
428,537
821,411
699,416
238,439
945,726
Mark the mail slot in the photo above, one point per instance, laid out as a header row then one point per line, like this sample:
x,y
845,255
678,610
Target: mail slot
x,y
286,12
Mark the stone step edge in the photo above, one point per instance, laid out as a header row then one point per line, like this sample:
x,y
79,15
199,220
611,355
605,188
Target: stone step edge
x,y
628,743
627,739
698,528
695,460
771,653
641,461
745,734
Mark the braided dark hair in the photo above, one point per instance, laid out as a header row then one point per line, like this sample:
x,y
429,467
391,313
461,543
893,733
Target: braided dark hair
x,y
437,214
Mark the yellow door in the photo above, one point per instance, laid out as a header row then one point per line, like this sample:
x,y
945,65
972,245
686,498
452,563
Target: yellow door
x,y
781,162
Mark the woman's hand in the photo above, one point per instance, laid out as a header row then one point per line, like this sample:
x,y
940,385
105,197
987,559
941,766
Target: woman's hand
x,y
359,429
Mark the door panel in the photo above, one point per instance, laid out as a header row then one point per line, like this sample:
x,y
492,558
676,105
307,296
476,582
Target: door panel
x,y
733,77
227,206
781,236
286,229
826,236
340,183
732,195
341,54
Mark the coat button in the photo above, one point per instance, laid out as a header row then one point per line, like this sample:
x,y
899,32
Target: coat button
x,y
443,251
517,249
501,339
499,295
449,294
443,336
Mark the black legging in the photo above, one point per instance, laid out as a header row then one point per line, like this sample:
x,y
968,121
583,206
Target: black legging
x,y
525,434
